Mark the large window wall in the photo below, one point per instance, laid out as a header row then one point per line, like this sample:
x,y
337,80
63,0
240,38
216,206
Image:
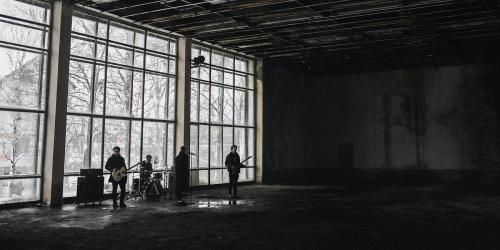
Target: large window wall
x,y
121,92
23,54
222,114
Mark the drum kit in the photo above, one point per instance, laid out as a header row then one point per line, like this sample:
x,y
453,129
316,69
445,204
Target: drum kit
x,y
150,188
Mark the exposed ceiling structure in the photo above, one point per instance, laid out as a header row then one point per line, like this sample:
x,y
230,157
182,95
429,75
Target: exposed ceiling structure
x,y
363,32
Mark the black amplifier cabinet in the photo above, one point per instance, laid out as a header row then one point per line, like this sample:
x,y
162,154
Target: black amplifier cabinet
x,y
90,188
90,172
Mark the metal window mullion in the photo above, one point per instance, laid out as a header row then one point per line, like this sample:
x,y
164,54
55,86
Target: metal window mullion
x,y
92,99
234,96
105,94
209,113
40,89
141,149
167,99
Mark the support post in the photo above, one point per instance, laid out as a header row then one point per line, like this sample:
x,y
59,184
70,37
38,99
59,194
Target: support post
x,y
259,87
57,99
183,97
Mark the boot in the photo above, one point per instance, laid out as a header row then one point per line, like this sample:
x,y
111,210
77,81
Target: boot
x,y
115,204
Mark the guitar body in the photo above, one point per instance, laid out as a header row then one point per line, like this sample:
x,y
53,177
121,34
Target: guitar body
x,y
119,174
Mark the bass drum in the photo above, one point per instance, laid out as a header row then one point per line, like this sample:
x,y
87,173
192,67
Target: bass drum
x,y
154,191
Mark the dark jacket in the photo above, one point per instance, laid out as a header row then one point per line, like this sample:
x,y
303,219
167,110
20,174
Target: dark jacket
x,y
114,161
148,167
233,160
182,167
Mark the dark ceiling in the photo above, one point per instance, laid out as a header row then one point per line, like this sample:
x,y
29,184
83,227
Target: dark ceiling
x,y
400,31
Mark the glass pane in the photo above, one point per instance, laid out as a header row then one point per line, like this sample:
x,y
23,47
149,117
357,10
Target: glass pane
x,y
228,62
247,174
84,26
239,107
19,78
135,143
216,176
119,33
21,35
250,82
99,90
172,69
217,59
120,55
206,53
203,163
241,65
116,134
194,102
118,91
250,108
157,43
156,63
228,78
194,145
96,160
82,47
204,73
228,141
215,146
240,141
22,10
79,86
137,95
155,96
204,102
154,139
77,149
228,106
216,102
171,98
195,52
41,130
199,177
173,48
240,81
18,143
70,186
251,146
19,190
170,144
217,76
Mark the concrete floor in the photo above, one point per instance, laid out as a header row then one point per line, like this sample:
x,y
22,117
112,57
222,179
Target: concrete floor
x,y
269,217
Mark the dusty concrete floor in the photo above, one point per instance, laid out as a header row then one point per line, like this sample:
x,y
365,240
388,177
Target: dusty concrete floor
x,y
269,217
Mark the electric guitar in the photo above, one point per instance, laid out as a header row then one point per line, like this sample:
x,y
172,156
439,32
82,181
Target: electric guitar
x,y
237,168
118,174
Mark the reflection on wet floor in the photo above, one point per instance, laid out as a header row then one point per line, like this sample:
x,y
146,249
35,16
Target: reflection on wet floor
x,y
95,217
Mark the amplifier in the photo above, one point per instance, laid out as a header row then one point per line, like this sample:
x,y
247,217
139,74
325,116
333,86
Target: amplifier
x,y
91,172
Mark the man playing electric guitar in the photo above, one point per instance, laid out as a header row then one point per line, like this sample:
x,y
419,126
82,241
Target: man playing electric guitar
x,y
114,163
233,166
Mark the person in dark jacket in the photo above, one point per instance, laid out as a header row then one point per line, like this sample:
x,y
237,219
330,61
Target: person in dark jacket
x,y
115,162
146,168
233,165
181,174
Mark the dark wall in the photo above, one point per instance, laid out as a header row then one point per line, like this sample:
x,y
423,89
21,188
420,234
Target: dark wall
x,y
443,118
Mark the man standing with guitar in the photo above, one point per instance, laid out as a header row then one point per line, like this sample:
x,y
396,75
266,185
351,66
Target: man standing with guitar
x,y
233,166
114,164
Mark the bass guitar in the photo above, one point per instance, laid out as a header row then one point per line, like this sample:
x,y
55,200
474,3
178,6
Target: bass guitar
x,y
236,169
119,174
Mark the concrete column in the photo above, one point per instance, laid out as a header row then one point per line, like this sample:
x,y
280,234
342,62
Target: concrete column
x,y
183,97
259,123
58,75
